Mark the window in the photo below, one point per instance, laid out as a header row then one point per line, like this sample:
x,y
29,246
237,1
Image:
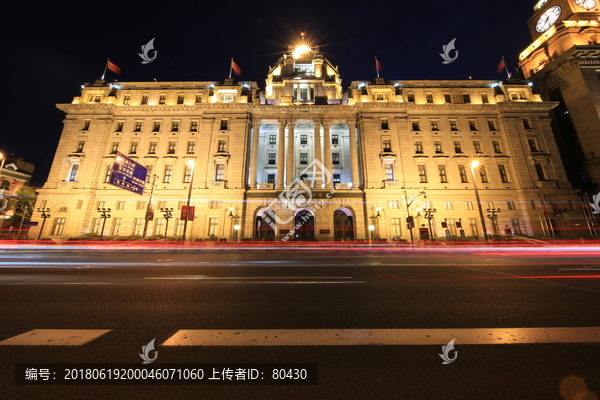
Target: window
x,y
532,145
114,148
334,139
418,147
138,127
389,172
457,147
429,98
271,159
172,147
219,172
422,174
453,125
79,204
463,174
442,172
511,205
473,225
448,98
226,97
379,97
98,99
213,225
168,174
126,100
86,126
144,99
496,145
58,226
336,178
469,205
472,126
490,204
483,175
303,158
303,139
516,226
270,178
415,126
484,98
466,98
138,226
224,124
273,139
384,123
141,205
194,126
156,126
477,146
175,126
108,174
133,148
152,149
149,174
73,173
335,158
162,99
448,205
191,147
393,204
491,125
120,205
411,97
215,204
437,145
434,126
187,174
80,146
540,172
116,226
427,204
159,224
526,124
387,145
198,98
180,99
222,147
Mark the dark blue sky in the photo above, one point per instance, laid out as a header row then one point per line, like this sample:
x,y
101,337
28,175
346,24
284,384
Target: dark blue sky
x,y
55,48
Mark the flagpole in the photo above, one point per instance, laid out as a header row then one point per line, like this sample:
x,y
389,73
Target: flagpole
x,y
105,65
506,67
230,67
376,67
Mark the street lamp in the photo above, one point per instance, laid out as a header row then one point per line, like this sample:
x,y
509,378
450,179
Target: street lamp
x,y
168,215
377,216
429,215
191,164
104,215
236,229
231,210
475,164
44,215
410,222
371,228
494,218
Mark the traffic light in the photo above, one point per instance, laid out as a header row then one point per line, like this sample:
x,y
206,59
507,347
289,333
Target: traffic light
x,y
411,222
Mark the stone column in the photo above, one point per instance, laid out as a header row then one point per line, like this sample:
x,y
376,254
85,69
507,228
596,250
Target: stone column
x,y
327,151
254,149
281,154
317,155
353,153
290,172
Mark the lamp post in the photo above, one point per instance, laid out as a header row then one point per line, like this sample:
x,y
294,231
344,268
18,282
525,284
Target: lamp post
x,y
168,214
149,212
104,215
371,229
377,216
44,215
429,215
494,218
410,222
191,164
475,164
236,228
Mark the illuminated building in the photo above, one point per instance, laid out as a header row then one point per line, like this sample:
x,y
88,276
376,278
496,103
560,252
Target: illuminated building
x,y
379,141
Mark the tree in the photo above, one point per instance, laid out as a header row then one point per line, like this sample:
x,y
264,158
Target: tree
x,y
22,206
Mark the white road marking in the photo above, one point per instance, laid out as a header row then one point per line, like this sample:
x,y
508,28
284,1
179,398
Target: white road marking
x,y
363,337
55,337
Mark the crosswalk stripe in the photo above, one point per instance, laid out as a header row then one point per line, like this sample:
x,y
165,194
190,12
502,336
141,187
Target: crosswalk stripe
x,y
55,337
361,337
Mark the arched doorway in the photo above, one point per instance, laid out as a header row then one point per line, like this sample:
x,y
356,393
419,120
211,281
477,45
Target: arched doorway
x,y
343,224
305,223
264,227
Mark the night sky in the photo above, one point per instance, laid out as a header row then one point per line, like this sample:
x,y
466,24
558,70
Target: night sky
x,y
50,49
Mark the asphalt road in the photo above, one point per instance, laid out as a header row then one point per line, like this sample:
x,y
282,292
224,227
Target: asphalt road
x,y
140,295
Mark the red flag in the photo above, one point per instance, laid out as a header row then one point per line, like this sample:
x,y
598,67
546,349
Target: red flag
x,y
113,67
377,66
236,68
500,66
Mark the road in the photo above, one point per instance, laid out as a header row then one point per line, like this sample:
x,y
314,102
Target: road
x,y
373,320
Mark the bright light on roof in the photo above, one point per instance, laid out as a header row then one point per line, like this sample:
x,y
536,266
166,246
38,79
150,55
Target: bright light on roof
x,y
298,51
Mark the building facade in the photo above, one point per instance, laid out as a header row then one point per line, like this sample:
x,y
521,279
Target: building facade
x,y
307,159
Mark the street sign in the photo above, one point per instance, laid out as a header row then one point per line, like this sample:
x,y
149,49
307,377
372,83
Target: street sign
x,y
128,175
30,223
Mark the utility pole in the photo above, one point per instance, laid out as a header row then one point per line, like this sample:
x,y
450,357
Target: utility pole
x,y
149,206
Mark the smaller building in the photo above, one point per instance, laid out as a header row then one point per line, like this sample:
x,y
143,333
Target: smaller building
x,y
14,174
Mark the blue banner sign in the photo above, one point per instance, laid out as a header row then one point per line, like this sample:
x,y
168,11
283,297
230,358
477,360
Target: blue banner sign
x,y
128,175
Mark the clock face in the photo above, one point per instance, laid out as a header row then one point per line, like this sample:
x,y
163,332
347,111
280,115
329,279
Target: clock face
x,y
548,18
587,4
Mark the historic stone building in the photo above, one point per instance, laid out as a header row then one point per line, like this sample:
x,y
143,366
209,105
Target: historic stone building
x,y
305,158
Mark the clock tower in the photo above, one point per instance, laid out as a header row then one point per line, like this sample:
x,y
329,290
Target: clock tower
x,y
563,63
